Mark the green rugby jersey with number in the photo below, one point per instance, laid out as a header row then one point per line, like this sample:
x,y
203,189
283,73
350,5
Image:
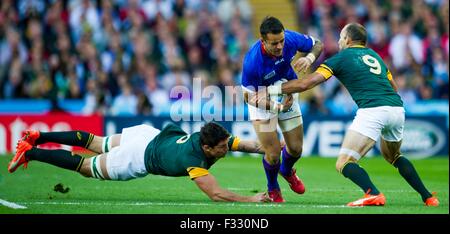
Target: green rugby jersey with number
x,y
366,77
173,152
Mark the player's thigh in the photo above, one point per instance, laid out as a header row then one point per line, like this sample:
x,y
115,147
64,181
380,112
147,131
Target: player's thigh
x,y
126,162
390,150
354,147
294,139
268,135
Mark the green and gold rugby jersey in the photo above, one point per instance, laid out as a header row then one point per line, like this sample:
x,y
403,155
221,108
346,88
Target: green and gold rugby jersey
x,y
173,152
364,74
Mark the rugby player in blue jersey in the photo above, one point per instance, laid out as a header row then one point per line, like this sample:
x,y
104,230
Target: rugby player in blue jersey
x,y
267,62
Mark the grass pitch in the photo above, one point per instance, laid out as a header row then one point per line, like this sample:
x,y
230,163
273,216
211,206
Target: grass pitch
x,y
327,192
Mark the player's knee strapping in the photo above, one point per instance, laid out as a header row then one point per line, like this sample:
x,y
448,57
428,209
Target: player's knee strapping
x,y
106,144
96,170
351,153
288,125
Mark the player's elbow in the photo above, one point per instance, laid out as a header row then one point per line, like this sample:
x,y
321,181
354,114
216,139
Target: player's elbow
x,y
216,196
318,44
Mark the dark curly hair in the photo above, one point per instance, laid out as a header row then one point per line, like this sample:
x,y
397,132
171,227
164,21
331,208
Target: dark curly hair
x,y
212,133
272,25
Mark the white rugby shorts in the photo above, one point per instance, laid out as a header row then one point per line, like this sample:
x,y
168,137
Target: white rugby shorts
x,y
385,121
126,161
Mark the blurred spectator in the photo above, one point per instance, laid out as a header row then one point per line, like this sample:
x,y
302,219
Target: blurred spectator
x,y
126,102
12,48
406,47
144,107
83,18
378,33
440,73
406,93
227,10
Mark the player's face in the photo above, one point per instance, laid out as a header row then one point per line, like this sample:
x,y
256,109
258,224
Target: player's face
x,y
220,149
274,43
343,39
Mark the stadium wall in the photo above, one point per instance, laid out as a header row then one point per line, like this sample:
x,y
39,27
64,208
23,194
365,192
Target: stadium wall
x,y
425,135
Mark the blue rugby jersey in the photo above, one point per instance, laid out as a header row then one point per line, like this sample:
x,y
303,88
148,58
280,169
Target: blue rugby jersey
x,y
262,69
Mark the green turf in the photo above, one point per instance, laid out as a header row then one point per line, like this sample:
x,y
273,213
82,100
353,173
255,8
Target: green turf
x,y
327,191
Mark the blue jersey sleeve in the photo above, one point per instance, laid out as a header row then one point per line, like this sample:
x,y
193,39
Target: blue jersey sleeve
x,y
301,42
249,73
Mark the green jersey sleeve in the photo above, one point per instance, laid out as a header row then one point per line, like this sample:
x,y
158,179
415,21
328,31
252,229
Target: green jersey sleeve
x,y
233,143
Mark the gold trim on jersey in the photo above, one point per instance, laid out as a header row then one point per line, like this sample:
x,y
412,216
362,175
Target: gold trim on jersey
x,y
195,172
235,144
357,46
389,75
325,71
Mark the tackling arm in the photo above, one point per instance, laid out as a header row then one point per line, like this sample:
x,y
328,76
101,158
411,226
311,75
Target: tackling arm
x,y
261,102
250,147
391,81
394,85
297,86
208,184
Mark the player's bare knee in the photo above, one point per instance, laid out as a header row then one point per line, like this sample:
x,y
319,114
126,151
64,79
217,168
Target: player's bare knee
x,y
342,160
295,150
272,157
85,169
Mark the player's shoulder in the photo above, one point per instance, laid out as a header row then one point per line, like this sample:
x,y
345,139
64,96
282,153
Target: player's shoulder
x,y
171,127
290,35
339,55
253,55
254,51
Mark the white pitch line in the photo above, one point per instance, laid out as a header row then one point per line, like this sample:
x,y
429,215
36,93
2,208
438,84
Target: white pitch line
x,y
181,204
11,204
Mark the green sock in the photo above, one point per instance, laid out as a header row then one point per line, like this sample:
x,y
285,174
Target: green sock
x,y
408,172
60,158
73,138
360,177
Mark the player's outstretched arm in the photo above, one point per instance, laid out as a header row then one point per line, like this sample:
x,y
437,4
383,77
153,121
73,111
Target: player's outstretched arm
x,y
297,86
208,184
392,81
393,84
248,146
261,101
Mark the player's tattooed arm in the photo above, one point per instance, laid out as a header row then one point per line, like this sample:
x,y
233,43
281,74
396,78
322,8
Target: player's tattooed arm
x,y
253,146
250,147
317,48
297,86
209,185
301,64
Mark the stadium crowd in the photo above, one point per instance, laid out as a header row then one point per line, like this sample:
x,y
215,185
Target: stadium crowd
x,y
123,57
